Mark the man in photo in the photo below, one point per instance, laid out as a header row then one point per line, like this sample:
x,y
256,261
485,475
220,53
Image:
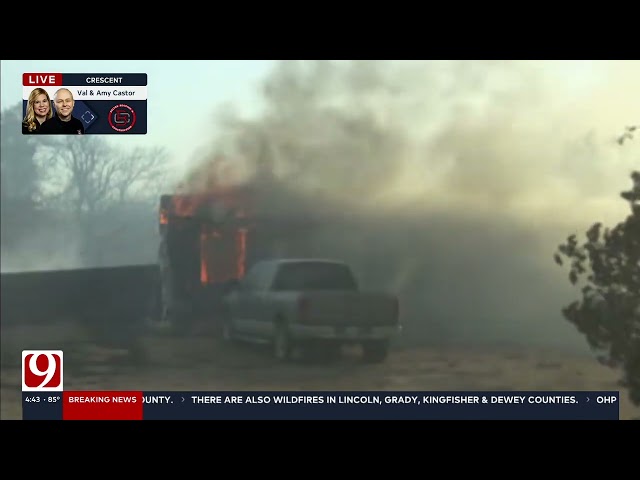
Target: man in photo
x,y
63,122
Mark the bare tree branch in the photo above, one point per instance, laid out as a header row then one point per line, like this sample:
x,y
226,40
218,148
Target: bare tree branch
x,y
92,176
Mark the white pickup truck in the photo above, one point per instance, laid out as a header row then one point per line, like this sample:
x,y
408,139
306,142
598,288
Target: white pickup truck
x,y
298,303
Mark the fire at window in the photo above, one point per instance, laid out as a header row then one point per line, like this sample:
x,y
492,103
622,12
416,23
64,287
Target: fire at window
x,y
222,234
222,254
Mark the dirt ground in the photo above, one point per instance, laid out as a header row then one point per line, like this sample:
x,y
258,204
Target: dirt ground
x,y
205,364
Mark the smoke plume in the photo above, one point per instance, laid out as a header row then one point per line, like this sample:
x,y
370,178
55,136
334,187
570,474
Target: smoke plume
x,y
447,183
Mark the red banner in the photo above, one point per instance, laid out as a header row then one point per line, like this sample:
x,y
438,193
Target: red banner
x,y
107,405
41,79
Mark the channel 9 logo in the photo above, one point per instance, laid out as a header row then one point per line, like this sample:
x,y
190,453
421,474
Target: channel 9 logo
x,y
42,370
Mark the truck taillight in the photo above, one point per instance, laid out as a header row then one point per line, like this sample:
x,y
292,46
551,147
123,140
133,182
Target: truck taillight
x,y
304,310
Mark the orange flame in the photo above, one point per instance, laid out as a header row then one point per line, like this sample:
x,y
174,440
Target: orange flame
x,y
188,205
223,253
241,241
204,267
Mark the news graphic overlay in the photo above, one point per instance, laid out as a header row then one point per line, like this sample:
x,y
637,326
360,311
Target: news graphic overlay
x,y
314,405
42,371
104,103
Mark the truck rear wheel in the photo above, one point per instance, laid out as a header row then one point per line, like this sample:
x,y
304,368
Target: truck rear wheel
x,y
375,351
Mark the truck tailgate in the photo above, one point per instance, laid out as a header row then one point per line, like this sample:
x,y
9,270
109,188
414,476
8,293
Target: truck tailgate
x,y
350,309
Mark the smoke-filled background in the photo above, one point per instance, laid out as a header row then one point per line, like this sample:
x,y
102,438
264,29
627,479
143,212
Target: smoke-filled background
x,y
449,184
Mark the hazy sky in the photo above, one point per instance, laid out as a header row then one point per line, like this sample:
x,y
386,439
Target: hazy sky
x,y
499,122
183,95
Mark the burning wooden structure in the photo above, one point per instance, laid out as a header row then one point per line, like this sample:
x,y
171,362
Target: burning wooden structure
x,y
209,240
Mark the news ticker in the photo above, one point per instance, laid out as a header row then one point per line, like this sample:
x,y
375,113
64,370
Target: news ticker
x,y
105,103
313,405
44,398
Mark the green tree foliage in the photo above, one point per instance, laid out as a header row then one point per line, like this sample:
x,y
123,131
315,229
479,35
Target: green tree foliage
x,y
606,268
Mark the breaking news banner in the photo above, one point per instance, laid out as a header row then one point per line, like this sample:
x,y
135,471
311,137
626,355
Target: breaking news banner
x,y
84,103
44,398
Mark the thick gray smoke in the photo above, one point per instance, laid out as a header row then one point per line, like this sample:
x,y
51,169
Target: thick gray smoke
x,y
447,183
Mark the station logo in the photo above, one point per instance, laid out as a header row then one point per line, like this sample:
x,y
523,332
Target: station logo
x,y
122,118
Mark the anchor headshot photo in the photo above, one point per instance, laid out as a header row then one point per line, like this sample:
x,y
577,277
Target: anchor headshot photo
x,y
38,111
63,122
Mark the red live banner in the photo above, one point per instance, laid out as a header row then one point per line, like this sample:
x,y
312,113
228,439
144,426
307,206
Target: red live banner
x,y
103,405
41,79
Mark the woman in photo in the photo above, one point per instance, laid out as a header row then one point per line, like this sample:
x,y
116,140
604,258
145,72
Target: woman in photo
x,y
38,111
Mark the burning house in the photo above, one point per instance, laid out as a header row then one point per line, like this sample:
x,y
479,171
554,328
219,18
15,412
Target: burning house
x,y
208,240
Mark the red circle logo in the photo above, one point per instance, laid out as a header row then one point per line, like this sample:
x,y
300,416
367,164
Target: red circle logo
x,y
122,118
